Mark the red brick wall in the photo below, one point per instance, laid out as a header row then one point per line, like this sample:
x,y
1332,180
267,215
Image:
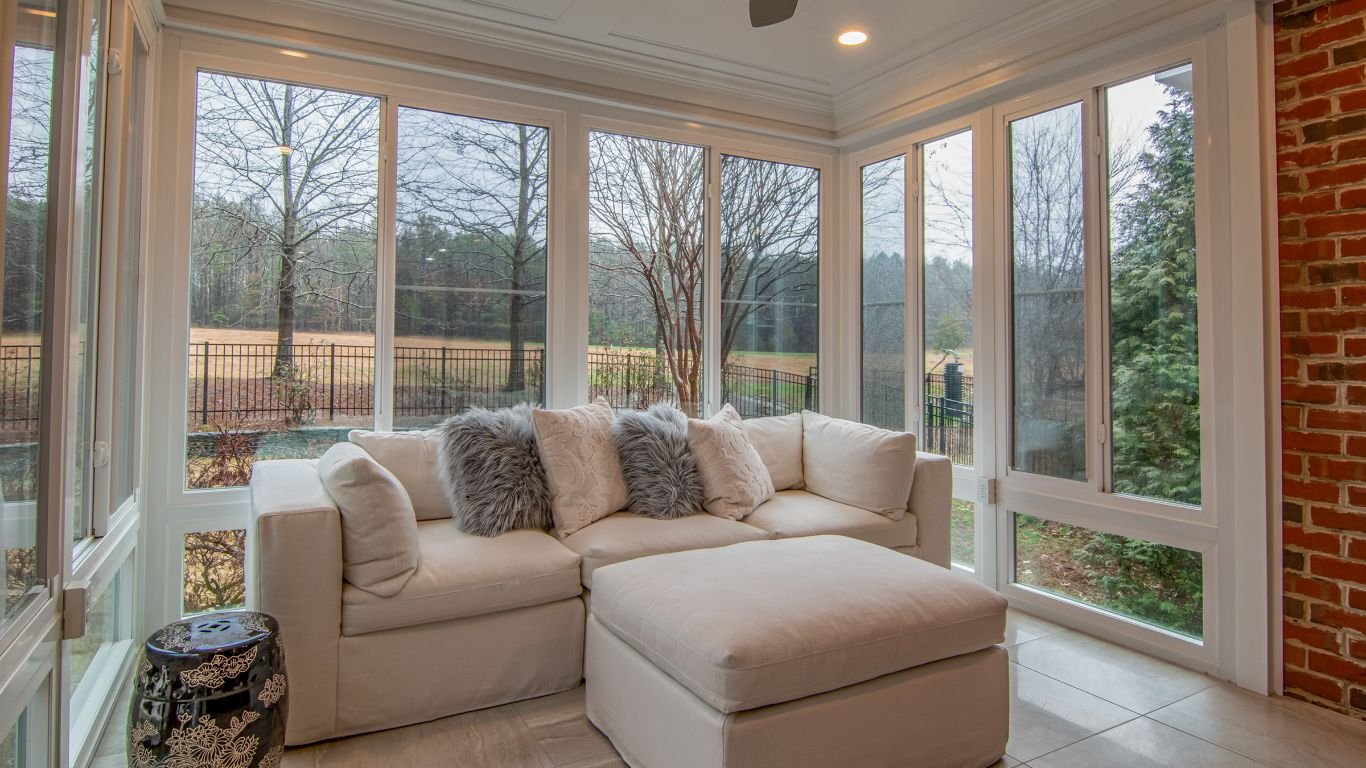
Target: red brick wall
x,y
1321,161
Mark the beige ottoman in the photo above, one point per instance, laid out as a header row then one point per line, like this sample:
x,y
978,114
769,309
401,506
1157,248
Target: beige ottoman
x,y
821,651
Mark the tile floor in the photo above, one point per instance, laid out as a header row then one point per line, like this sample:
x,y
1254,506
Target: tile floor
x,y
1076,702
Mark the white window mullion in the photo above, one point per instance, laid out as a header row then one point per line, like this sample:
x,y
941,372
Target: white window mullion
x,y
711,290
387,264
913,313
1094,251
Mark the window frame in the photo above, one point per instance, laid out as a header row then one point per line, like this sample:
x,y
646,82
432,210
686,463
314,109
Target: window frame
x,y
966,479
1089,504
715,143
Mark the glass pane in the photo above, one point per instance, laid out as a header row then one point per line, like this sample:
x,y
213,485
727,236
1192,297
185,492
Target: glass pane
x,y
1152,583
770,286
469,312
215,578
1048,361
1154,347
84,288
124,445
95,657
647,251
947,286
884,293
282,273
30,115
24,744
964,533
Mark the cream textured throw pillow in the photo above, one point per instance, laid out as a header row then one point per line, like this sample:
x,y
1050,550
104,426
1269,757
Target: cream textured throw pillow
x,y
778,439
734,478
379,529
411,456
858,464
581,464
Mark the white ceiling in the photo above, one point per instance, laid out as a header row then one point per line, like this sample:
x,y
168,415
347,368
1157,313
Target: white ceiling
x,y
714,36
704,52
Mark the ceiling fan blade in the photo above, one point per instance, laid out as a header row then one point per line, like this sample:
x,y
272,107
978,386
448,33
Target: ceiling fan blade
x,y
765,12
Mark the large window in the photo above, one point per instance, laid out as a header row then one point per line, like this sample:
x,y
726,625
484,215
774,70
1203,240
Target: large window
x,y
1154,366
282,265
1048,352
470,310
25,210
770,286
884,293
647,259
1148,375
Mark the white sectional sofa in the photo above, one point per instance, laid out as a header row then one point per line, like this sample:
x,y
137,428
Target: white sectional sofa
x,y
487,621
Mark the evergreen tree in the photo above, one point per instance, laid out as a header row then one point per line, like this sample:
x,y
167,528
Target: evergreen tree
x,y
1155,386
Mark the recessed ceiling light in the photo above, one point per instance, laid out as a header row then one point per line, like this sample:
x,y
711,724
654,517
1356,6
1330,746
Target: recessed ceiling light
x,y
284,149
295,54
40,12
853,37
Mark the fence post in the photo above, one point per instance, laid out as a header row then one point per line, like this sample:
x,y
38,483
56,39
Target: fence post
x,y
772,391
809,392
332,382
444,389
204,414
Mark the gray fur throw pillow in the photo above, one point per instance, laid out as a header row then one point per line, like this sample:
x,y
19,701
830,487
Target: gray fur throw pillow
x,y
661,474
492,472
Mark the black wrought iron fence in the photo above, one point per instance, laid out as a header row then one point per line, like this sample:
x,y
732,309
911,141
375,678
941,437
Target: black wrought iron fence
x,y
756,392
19,382
235,386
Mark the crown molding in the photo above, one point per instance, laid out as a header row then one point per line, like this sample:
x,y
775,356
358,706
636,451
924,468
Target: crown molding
x,y
962,66
773,87
1059,31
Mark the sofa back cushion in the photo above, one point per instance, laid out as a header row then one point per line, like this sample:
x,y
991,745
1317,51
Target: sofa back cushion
x,y
581,464
858,464
379,528
411,456
778,440
734,478
492,471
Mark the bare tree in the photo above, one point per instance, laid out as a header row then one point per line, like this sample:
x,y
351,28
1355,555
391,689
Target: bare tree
x,y
770,225
646,199
488,181
647,202
289,165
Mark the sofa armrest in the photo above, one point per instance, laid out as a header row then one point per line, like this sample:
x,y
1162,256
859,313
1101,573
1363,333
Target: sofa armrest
x,y
295,575
931,503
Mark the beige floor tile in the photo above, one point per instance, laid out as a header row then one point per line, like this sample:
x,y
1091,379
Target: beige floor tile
x,y
1143,743
300,757
1131,680
1278,732
1021,628
489,738
559,723
1046,715
604,761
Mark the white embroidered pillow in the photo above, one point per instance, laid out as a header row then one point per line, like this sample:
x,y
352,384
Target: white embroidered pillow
x,y
581,464
734,478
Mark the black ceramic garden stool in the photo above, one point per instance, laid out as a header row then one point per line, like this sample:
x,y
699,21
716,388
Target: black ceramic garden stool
x,y
210,693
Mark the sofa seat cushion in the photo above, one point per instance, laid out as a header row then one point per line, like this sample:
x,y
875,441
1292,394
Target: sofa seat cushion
x,y
790,514
765,622
625,536
461,575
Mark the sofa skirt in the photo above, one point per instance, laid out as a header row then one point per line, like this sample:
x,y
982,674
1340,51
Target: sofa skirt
x,y
952,713
414,674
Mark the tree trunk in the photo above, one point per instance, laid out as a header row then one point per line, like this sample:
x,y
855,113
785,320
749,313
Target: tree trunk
x,y
521,251
285,287
284,326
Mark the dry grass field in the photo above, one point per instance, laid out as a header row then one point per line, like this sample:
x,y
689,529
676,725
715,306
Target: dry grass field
x,y
797,362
